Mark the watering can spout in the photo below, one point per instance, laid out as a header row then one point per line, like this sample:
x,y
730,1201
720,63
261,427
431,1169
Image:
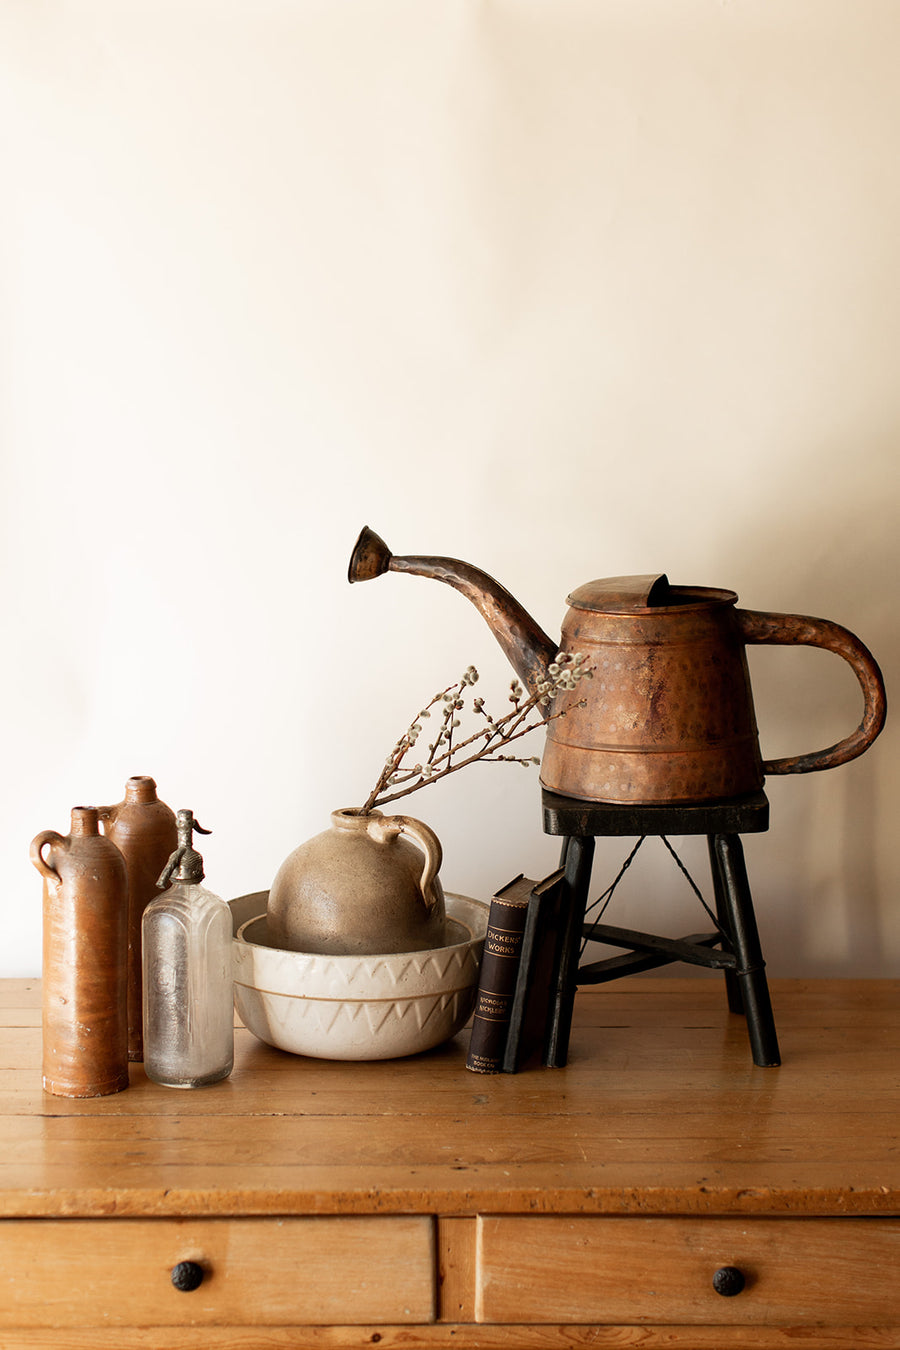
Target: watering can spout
x,y
526,646
371,557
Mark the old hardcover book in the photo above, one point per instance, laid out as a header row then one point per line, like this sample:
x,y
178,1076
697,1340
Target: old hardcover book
x,y
497,981
537,974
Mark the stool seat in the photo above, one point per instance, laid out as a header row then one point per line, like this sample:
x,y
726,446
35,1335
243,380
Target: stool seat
x,y
549,972
735,815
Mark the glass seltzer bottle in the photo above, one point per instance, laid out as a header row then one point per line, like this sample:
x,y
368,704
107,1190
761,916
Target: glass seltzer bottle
x,y
188,990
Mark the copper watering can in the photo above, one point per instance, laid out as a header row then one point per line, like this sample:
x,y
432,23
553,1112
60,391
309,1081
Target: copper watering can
x,y
669,714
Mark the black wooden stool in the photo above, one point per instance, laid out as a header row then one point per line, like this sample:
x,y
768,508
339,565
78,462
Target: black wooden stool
x,y
555,923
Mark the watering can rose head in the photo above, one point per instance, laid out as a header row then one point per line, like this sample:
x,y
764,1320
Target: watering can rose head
x,y
453,747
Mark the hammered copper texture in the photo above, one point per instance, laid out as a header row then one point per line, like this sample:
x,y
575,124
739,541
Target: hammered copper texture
x,y
669,715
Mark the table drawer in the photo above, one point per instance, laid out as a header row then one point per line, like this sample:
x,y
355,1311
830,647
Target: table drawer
x,y
256,1272
796,1271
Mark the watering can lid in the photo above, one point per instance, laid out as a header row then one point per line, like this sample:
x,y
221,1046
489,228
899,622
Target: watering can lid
x,y
619,595
652,590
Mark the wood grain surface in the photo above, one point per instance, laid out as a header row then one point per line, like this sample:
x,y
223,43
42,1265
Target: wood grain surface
x,y
512,1194
660,1108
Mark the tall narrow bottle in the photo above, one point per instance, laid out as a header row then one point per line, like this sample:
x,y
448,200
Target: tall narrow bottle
x,y
143,829
188,990
85,1015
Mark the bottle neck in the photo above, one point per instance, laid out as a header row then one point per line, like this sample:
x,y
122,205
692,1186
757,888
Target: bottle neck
x,y
140,789
85,820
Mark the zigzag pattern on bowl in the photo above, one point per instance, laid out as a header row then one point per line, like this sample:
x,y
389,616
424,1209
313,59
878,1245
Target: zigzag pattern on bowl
x,y
420,1011
334,977
438,964
356,1030
369,977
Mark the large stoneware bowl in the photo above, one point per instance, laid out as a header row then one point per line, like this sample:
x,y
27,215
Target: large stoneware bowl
x,y
356,1007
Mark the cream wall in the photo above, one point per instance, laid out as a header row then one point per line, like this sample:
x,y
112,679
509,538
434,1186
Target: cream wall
x,y
566,289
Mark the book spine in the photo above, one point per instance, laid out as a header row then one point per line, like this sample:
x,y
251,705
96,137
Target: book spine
x,y
497,985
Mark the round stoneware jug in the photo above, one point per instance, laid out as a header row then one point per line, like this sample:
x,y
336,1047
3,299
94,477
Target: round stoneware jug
x,y
361,888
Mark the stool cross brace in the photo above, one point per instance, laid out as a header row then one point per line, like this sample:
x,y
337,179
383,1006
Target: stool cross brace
x,y
555,929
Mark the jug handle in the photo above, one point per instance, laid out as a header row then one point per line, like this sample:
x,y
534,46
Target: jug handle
x,y
428,842
38,844
791,629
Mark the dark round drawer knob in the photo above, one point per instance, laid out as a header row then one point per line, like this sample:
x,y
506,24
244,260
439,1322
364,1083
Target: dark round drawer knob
x,y
728,1281
187,1275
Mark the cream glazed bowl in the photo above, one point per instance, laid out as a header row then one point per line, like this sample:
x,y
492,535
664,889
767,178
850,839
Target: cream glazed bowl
x,y
356,1007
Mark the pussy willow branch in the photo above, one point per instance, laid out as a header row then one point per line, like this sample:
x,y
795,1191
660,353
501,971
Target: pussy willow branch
x,y
461,764
564,673
403,745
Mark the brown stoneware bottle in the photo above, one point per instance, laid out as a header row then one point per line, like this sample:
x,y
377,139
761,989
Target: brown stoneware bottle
x,y
143,829
85,1020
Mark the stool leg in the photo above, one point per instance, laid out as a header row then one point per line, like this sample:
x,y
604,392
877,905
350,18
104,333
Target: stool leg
x,y
732,985
751,972
578,856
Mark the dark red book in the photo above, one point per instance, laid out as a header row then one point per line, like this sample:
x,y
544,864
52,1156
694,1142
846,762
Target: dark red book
x,y
499,973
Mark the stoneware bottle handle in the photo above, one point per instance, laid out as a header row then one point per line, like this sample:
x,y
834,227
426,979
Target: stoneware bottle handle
x,y
38,844
792,629
430,845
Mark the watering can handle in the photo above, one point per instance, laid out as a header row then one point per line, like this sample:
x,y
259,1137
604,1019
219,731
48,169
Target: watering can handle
x,y
798,629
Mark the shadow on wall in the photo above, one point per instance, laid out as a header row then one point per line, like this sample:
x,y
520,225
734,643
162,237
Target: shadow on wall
x,y
825,876
828,903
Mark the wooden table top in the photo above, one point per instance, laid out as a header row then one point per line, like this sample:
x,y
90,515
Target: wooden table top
x,y
659,1111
